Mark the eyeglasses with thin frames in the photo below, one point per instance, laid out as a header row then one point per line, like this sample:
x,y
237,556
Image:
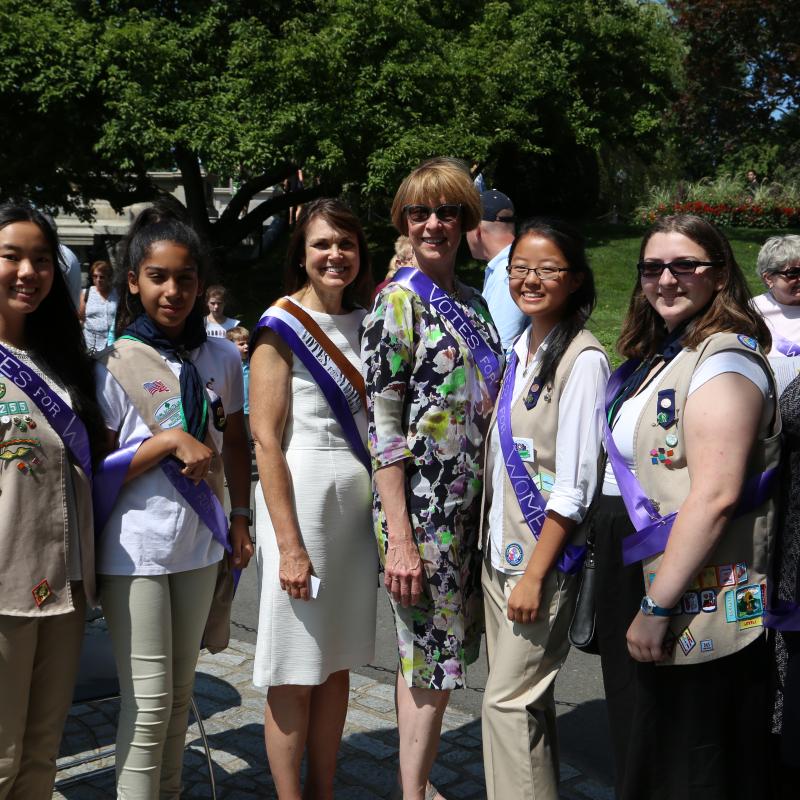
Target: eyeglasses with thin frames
x,y
518,272
446,212
679,268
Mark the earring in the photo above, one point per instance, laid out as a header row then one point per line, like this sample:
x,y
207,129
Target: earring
x,y
302,266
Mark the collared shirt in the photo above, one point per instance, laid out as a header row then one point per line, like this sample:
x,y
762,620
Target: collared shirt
x,y
508,319
578,441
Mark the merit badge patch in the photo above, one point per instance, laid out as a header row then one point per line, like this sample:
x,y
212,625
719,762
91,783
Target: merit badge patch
x,y
524,448
748,341
41,592
708,600
691,603
748,602
725,575
2,390
740,571
168,414
730,607
686,641
514,554
706,645
708,578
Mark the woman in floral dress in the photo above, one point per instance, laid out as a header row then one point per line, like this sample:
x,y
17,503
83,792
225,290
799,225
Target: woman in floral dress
x,y
429,401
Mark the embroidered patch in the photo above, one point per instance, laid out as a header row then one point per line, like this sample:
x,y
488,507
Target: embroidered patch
x,y
686,641
524,448
706,645
41,592
725,575
14,407
708,600
746,624
544,482
153,387
708,578
730,607
514,554
740,571
748,341
2,390
748,602
691,603
168,414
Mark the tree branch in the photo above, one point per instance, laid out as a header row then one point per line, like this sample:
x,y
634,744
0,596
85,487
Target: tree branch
x,y
194,187
252,187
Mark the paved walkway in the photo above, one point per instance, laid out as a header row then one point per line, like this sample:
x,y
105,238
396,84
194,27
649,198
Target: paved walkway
x,y
233,712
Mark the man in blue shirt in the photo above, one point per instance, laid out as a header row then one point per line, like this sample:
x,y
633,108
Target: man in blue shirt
x,y
491,242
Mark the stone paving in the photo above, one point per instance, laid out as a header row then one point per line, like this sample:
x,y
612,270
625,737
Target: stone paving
x,y
232,709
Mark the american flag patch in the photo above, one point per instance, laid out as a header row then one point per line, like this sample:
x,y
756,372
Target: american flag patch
x,y
155,386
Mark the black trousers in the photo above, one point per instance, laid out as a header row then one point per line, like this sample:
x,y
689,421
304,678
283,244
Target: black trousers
x,y
696,732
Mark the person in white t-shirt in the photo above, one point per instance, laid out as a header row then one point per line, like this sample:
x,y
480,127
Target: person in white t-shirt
x,y
157,559
217,324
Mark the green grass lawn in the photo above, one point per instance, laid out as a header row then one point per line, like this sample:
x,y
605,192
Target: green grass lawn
x,y
613,252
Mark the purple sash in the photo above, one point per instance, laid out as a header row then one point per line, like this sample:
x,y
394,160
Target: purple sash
x,y
652,529
111,476
528,496
63,420
301,342
431,295
784,346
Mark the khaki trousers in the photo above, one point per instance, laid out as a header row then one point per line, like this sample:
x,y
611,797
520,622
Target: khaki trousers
x,y
520,743
39,658
156,623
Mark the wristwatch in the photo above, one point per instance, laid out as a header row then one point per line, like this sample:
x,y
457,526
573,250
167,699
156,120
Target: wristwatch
x,y
650,609
242,511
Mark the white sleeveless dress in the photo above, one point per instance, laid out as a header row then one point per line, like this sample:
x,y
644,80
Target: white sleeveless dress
x,y
304,642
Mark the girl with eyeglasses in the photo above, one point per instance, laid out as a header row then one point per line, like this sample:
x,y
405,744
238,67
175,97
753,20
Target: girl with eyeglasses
x,y
540,477
685,525
432,362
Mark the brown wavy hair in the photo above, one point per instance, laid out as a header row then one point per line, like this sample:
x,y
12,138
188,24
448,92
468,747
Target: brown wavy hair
x,y
339,216
729,310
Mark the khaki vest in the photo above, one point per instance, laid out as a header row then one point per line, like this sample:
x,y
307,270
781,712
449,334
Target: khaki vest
x,y
35,475
155,392
541,425
721,610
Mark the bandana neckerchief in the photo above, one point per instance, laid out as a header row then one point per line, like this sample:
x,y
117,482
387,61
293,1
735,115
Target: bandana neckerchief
x,y
193,393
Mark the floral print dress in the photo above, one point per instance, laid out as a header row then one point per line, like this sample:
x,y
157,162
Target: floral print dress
x,y
428,406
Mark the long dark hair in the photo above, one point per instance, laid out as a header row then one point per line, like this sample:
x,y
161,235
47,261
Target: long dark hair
x,y
164,221
339,216
580,303
729,310
53,334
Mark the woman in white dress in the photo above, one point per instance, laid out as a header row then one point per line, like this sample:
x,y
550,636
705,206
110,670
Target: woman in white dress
x,y
313,502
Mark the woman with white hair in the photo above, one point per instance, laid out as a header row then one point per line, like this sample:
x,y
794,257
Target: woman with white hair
x,y
778,266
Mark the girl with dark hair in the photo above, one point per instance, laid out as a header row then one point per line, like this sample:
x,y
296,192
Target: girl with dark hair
x,y
685,525
172,402
313,501
540,478
49,421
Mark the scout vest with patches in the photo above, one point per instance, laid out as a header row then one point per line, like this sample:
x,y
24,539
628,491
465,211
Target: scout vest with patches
x,y
722,609
534,425
36,475
154,389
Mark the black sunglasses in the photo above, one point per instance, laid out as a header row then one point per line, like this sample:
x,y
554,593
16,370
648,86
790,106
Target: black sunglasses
x,y
788,274
679,268
447,212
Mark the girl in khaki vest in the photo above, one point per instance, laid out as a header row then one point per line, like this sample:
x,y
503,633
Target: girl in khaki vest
x,y
166,383
555,413
680,629
46,539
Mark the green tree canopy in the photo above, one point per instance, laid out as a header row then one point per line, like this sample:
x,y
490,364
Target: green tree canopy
x,y
357,92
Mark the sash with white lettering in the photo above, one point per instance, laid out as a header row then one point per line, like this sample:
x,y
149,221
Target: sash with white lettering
x,y
337,378
529,497
652,529
62,419
785,346
434,297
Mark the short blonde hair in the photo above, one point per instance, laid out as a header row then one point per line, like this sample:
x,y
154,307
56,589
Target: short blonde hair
x,y
438,180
